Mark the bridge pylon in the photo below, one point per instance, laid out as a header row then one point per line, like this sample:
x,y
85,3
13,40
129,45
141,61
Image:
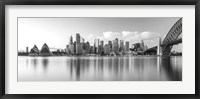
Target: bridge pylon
x,y
159,48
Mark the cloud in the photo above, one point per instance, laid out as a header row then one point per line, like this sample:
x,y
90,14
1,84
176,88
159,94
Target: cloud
x,y
128,33
111,35
130,36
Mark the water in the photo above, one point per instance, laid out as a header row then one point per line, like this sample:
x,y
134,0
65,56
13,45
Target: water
x,y
138,68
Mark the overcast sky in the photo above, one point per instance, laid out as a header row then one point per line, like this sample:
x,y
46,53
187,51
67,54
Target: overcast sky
x,y
57,31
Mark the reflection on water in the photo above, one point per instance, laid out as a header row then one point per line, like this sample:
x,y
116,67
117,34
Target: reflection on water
x,y
140,68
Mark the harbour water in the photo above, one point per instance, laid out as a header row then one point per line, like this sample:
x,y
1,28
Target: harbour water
x,y
100,68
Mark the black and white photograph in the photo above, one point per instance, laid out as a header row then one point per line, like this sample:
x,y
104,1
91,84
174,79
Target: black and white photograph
x,y
99,49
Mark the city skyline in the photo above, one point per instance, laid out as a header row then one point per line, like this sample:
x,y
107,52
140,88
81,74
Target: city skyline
x,y
129,34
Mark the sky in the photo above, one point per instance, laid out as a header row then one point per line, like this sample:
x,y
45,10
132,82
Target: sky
x,y
56,32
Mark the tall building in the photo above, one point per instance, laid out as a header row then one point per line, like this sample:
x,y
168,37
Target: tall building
x,y
107,49
127,46
71,46
110,43
74,46
98,46
101,47
121,48
78,38
87,46
78,44
71,40
27,50
78,48
116,45
95,45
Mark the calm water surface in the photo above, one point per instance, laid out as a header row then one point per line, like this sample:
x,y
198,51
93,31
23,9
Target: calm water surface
x,y
138,68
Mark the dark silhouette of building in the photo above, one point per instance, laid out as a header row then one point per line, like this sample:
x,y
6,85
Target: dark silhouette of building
x,y
34,51
45,50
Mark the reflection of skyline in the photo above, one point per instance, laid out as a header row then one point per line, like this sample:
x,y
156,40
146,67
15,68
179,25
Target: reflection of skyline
x,y
121,67
104,68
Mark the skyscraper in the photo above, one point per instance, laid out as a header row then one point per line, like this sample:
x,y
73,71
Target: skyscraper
x,y
116,46
78,44
98,46
110,43
27,50
127,46
107,49
71,46
101,47
121,48
71,40
78,38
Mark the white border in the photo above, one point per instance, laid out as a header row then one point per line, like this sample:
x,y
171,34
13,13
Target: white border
x,y
187,86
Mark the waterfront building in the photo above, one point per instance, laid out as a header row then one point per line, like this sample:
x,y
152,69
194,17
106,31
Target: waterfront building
x,y
79,48
78,38
74,46
87,46
121,48
110,43
98,46
116,46
107,49
71,48
34,51
27,50
68,49
94,48
127,46
45,50
101,47
71,40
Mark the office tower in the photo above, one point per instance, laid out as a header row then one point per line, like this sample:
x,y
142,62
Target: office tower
x,y
78,44
107,49
78,38
94,48
74,46
97,46
79,48
121,48
101,46
87,46
71,40
71,48
67,49
116,46
91,50
127,46
110,43
27,50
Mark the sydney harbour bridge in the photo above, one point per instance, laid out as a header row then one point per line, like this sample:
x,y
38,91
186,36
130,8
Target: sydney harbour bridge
x,y
172,38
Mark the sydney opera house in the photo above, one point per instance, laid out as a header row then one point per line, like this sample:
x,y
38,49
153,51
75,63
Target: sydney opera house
x,y
43,52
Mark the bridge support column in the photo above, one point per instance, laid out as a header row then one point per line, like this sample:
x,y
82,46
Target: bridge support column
x,y
159,48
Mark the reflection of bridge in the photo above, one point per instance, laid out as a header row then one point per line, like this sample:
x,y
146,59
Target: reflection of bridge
x,y
164,47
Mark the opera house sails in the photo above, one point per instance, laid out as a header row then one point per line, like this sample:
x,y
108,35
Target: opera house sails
x,y
44,51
